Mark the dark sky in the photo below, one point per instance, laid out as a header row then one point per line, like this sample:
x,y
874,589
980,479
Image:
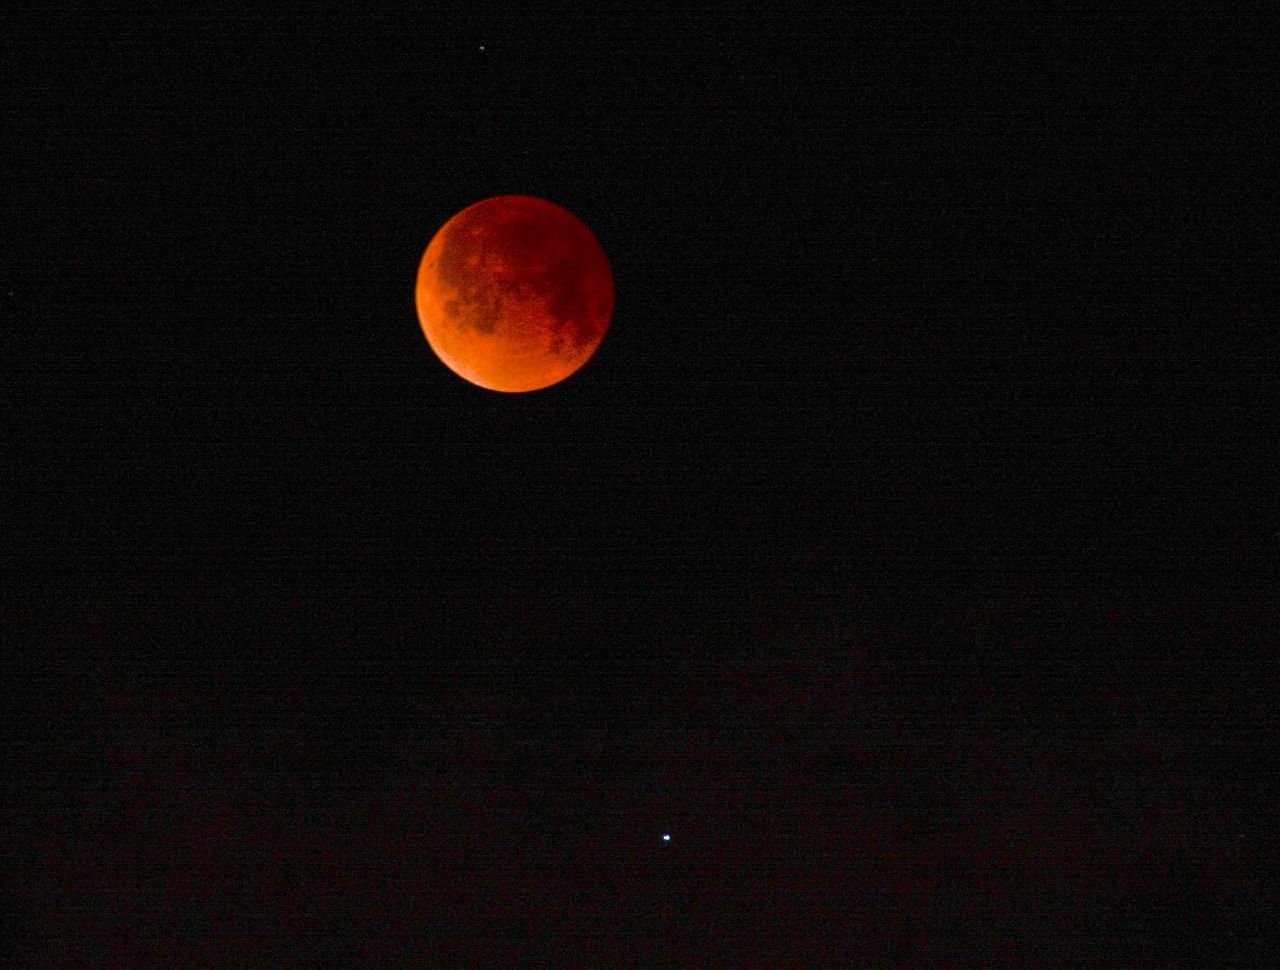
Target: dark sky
x,y
906,551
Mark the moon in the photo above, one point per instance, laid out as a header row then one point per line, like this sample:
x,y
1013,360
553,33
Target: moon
x,y
514,293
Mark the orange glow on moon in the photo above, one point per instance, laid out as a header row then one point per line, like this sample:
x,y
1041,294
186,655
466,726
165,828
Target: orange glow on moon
x,y
514,293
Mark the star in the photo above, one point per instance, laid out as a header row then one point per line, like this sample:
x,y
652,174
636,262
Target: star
x,y
666,837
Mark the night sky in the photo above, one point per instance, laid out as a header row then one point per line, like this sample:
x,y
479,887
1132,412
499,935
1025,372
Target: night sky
x,y
906,552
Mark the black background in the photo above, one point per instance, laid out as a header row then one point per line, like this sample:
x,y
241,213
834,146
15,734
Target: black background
x,y
906,551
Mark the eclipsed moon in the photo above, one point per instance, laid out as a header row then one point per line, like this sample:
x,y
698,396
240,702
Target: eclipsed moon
x,y
514,293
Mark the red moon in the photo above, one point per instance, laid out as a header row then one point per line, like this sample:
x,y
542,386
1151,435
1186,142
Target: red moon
x,y
514,293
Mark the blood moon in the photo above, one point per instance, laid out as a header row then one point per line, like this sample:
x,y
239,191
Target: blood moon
x,y
514,293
